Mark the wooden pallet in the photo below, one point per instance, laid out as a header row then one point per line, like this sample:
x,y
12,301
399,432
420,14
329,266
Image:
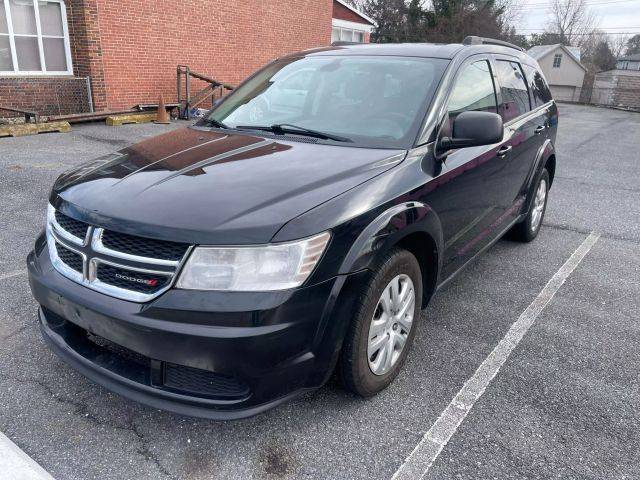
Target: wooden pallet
x,y
116,120
23,129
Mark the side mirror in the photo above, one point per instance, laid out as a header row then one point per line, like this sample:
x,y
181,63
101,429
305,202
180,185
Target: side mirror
x,y
473,129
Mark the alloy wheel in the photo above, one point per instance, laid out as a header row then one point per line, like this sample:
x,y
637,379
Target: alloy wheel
x,y
538,205
391,323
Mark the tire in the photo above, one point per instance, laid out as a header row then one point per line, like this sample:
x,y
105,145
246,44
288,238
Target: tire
x,y
528,228
356,366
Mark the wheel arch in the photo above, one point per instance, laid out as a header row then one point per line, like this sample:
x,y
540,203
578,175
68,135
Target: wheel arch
x,y
423,246
550,165
545,158
413,226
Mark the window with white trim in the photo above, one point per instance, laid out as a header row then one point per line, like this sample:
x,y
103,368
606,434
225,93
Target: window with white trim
x,y
34,38
557,60
340,34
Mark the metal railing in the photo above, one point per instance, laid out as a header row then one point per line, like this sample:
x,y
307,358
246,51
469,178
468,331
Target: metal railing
x,y
29,116
214,90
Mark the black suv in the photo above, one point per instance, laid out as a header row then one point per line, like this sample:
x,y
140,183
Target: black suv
x,y
297,230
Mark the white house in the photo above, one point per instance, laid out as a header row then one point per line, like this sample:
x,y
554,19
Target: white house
x,y
562,68
628,62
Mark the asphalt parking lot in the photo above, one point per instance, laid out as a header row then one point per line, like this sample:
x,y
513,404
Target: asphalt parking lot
x,y
565,404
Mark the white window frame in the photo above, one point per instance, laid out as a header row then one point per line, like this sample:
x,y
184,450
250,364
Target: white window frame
x,y
352,27
558,57
12,44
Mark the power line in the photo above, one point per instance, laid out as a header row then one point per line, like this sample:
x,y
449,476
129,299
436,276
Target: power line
x,y
546,6
588,4
600,30
585,34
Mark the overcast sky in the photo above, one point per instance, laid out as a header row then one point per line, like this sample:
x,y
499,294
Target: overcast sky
x,y
614,15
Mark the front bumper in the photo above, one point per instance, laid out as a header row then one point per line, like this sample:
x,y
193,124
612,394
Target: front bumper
x,y
207,354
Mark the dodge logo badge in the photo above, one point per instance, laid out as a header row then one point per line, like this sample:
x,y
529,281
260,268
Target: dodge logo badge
x,y
152,282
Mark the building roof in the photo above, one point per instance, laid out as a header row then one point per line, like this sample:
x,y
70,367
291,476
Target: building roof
x,y
540,51
633,58
618,72
357,12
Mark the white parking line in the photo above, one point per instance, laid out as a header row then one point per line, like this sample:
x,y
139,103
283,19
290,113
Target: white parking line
x,y
17,465
417,464
15,273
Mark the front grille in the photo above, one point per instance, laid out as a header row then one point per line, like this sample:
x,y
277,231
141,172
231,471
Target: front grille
x,y
203,382
131,280
71,225
144,247
72,259
125,266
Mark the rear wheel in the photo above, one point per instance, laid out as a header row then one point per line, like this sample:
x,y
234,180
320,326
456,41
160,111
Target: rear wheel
x,y
380,335
528,229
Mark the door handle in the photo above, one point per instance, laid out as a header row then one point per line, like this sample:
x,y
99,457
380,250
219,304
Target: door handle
x,y
540,129
504,150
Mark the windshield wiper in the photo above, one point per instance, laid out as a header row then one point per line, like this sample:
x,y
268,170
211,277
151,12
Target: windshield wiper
x,y
282,128
210,122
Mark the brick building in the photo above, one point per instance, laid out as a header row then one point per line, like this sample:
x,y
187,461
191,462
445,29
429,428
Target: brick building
x,y
68,56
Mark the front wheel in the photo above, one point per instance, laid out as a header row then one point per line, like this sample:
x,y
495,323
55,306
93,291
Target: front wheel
x,y
528,228
382,331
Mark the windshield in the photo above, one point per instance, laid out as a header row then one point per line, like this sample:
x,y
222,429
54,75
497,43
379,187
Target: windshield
x,y
370,101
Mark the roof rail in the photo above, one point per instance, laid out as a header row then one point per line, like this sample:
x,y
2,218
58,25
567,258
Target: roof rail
x,y
474,40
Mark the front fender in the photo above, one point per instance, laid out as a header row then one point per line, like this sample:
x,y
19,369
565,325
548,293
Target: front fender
x,y
388,229
369,219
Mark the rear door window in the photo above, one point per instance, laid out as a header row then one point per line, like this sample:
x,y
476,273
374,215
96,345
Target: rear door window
x,y
515,97
540,93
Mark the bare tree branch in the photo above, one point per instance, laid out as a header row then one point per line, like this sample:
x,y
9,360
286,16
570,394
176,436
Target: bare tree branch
x,y
572,21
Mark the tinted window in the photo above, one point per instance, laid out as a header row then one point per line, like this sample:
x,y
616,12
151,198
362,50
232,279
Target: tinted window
x,y
473,90
515,98
537,86
374,101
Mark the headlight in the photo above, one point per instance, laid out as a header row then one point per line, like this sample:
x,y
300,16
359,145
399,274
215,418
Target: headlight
x,y
250,269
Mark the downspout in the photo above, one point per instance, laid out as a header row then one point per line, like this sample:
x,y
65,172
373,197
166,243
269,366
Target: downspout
x,y
89,94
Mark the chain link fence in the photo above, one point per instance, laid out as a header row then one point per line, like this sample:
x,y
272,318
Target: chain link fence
x,y
46,96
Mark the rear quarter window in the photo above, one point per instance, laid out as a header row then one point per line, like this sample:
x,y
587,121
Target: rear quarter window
x,y
537,86
515,97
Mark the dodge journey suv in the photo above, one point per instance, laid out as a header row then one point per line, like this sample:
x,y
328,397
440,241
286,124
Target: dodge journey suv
x,y
298,229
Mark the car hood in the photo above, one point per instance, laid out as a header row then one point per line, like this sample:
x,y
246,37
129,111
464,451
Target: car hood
x,y
207,187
